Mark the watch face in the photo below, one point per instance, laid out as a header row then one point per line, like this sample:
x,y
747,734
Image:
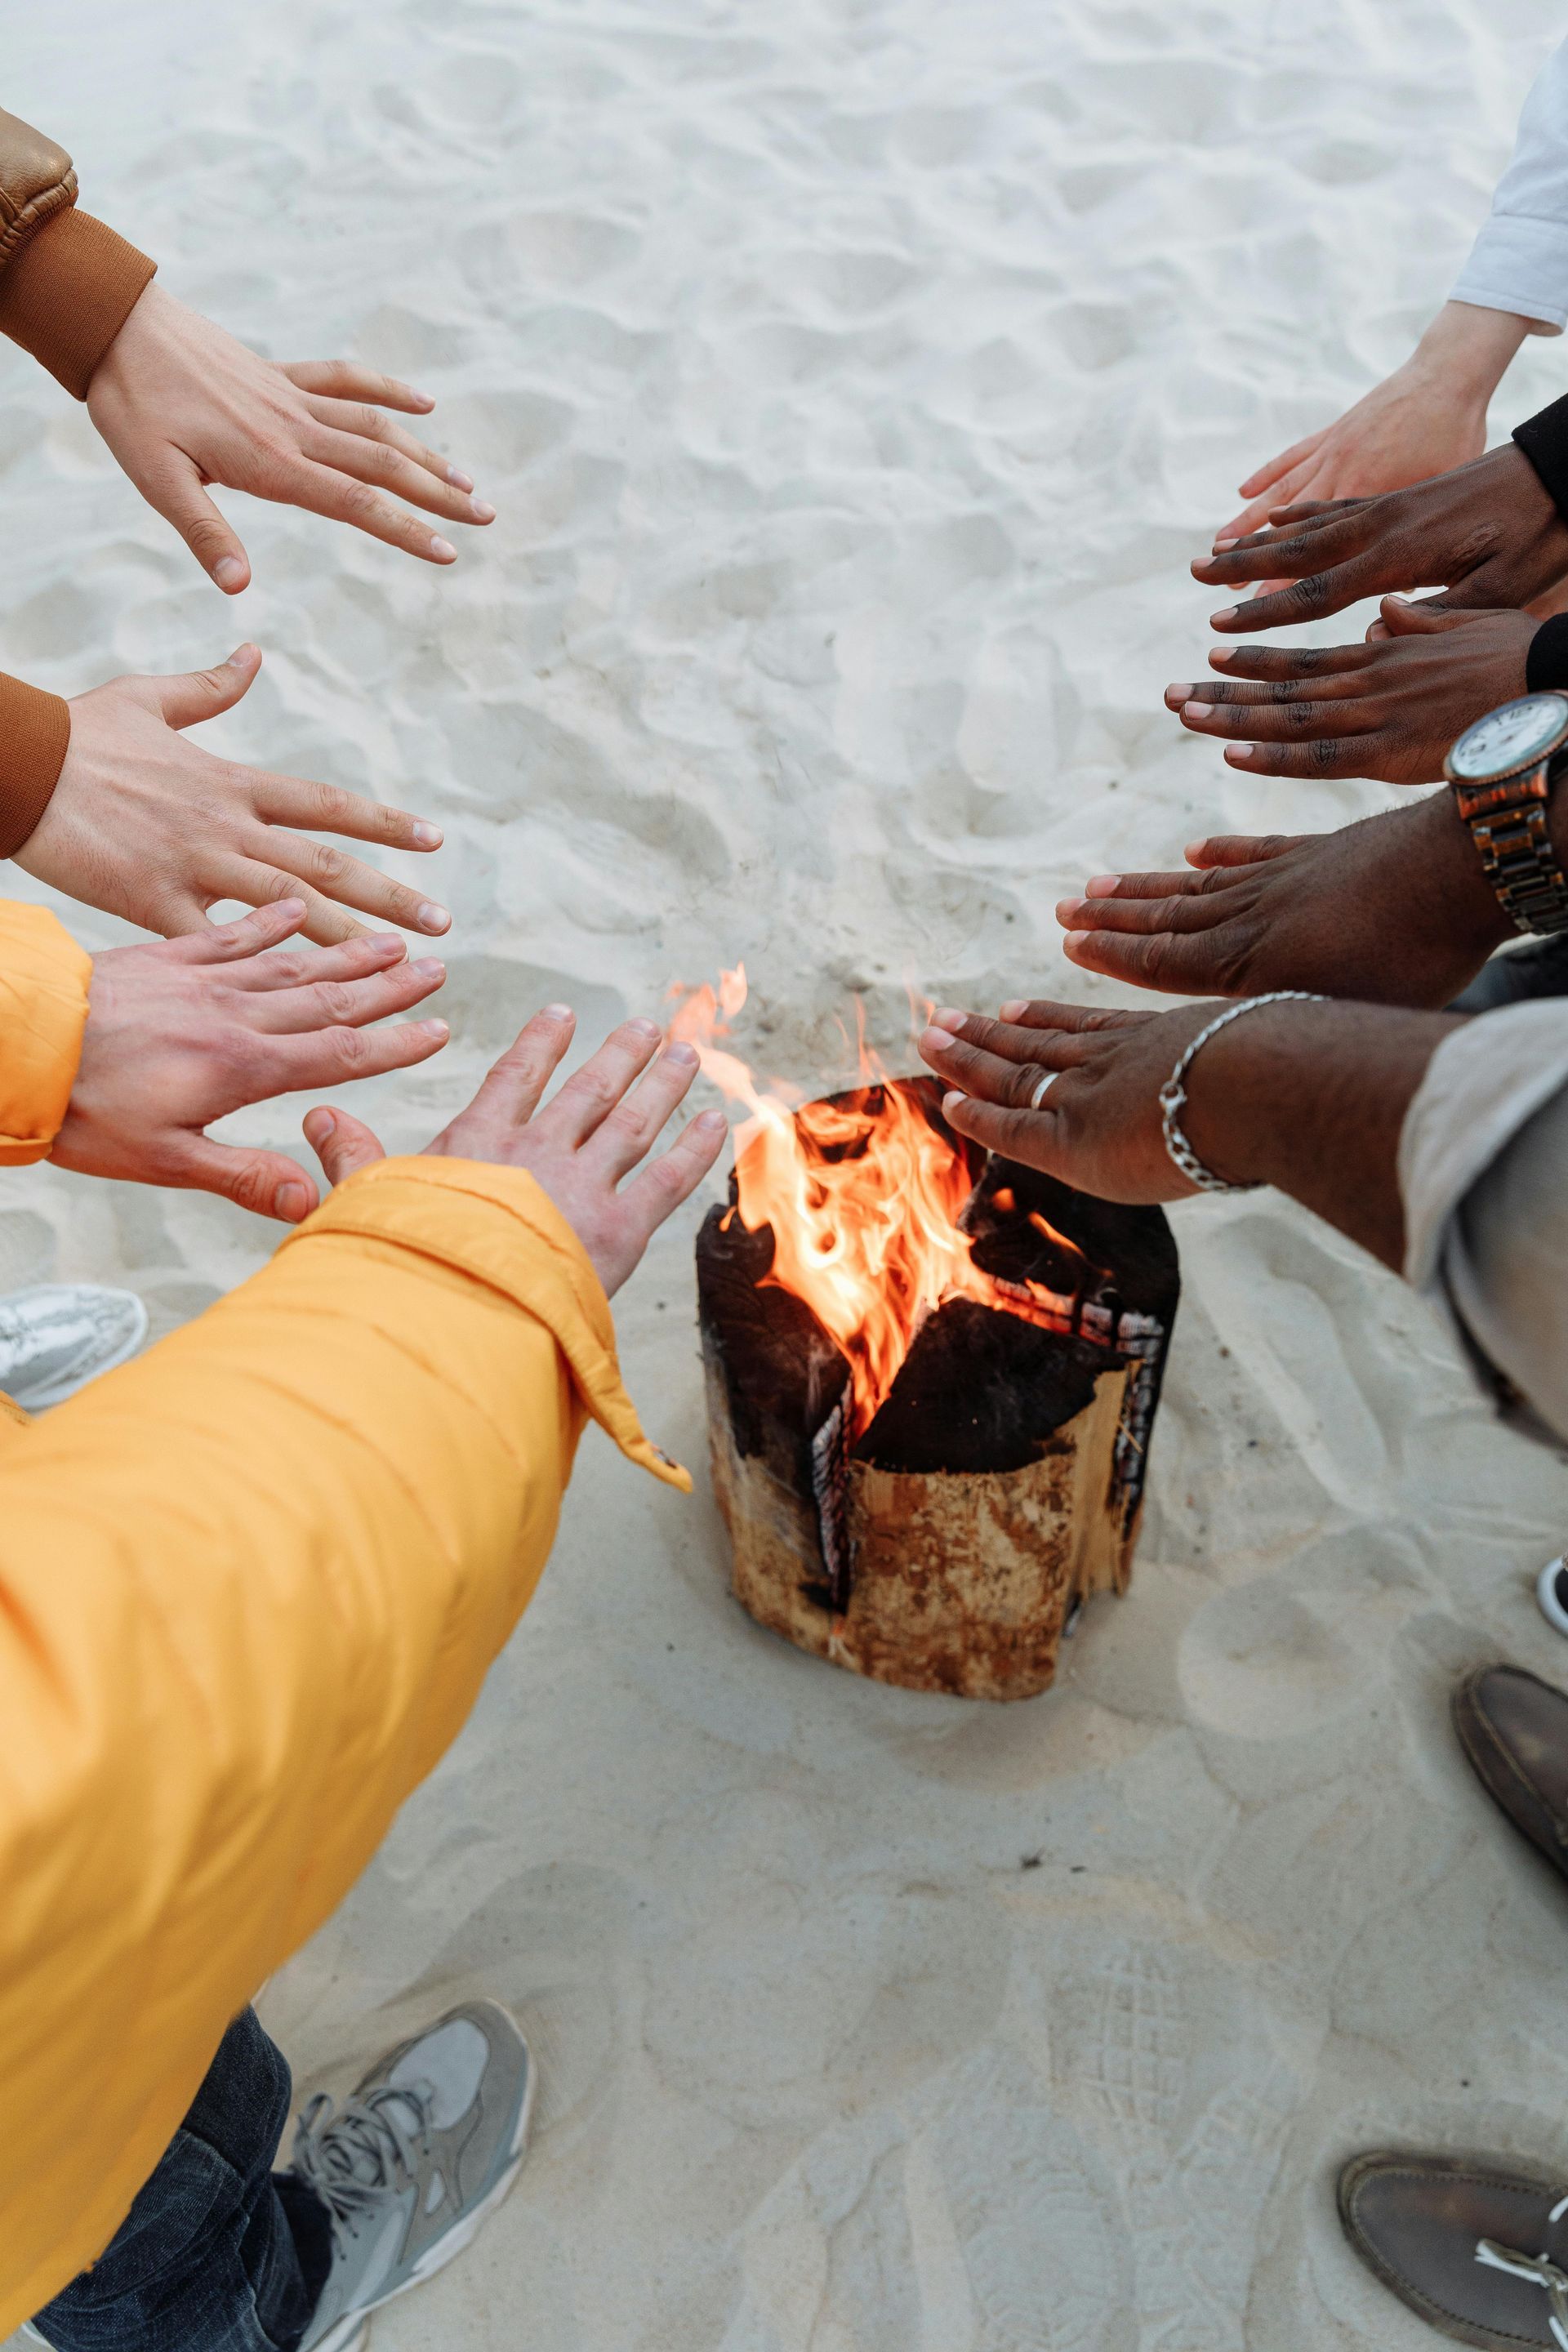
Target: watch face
x,y
1515,737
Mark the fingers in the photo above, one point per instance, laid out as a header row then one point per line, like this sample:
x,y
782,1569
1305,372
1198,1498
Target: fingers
x,y
993,1058
625,1133
331,873
387,468
200,694
1032,1137
1307,598
328,808
1044,1013
1269,473
250,936
1347,754
344,380
263,1182
342,1143
1193,963
1242,848
374,425
1266,721
326,492
298,967
1409,616
1188,902
591,1093
513,1091
176,491
328,1057
281,1011
1285,665
675,1175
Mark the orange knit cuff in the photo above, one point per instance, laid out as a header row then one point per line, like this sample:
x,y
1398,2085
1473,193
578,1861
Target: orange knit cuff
x,y
68,291
34,728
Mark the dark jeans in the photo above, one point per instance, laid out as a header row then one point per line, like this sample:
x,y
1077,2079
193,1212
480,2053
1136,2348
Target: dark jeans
x,y
218,2253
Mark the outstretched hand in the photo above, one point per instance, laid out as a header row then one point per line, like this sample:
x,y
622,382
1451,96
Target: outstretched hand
x,y
1394,910
181,404
1413,425
181,1033
580,1147
1487,535
1390,707
149,827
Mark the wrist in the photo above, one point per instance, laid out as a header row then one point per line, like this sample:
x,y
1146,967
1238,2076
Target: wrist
x,y
1469,349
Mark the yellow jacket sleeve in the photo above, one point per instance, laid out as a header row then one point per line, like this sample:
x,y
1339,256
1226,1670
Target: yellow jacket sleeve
x,y
249,1586
44,978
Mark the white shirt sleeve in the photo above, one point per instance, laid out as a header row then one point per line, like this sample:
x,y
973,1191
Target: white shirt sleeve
x,y
1520,260
1483,1174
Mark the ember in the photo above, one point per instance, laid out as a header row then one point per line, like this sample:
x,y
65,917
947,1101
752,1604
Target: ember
x,y
931,1443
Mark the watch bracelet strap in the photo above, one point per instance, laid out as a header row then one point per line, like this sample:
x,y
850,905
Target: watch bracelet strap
x,y
1174,1093
1519,862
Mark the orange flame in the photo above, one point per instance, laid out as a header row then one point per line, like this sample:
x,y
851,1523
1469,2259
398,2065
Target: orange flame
x,y
863,1198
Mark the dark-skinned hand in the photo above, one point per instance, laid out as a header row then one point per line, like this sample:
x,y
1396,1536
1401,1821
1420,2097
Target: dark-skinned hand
x,y
1392,709
1394,910
1487,535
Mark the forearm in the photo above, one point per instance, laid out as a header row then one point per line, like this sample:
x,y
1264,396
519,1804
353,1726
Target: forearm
x,y
1467,349
1311,1098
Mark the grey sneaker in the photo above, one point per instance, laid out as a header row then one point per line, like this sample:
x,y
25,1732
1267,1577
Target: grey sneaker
x,y
414,2162
60,1335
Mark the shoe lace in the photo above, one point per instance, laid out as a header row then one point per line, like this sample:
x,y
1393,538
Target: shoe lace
x,y
1539,2269
353,2155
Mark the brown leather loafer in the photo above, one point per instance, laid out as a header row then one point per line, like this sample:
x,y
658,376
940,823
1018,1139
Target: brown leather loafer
x,y
1478,2250
1514,1729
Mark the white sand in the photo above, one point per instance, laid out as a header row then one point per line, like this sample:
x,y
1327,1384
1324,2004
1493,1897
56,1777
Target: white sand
x,y
854,381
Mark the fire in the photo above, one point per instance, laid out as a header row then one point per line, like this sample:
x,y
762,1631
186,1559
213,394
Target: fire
x,y
863,1198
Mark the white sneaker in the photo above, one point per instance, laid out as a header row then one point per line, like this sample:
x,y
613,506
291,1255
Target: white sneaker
x,y
412,2165
56,1338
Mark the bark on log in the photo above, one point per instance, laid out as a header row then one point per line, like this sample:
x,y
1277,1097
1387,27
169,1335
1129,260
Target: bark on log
x,y
1000,1484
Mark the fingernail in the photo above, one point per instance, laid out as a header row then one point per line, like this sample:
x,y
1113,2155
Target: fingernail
x,y
290,906
643,1027
1218,620
433,1028
241,655
1221,655
322,1123
426,399
1220,545
229,571
1074,941
458,480
443,550
1012,1009
1197,710
292,1203
1177,693
936,1041
949,1102
680,1052
709,1121
1238,754
557,1012
1102,885
433,918
428,837
430,968
1066,909
482,510
948,1019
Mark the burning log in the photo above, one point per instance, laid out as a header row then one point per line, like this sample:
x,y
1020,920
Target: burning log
x,y
931,1382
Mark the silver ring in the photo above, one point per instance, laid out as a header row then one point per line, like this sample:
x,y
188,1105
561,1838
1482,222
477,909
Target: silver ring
x,y
1048,1078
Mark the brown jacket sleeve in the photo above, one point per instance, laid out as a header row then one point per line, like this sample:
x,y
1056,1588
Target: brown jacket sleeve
x,y
34,728
68,284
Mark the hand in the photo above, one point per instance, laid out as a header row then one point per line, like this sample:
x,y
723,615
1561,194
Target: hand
x,y
1392,709
581,1144
182,1033
181,404
1487,534
1097,1125
1426,418
1394,910
150,827
1311,1098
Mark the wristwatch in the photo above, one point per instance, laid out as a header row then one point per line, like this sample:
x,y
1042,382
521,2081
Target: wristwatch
x,y
1502,771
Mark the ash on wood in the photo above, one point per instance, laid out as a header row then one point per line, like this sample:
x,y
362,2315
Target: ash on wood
x,y
1000,1482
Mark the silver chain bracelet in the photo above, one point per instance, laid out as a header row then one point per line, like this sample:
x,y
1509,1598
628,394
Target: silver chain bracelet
x,y
1173,1093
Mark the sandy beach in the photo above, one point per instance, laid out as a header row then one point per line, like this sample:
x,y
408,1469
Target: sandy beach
x,y
854,381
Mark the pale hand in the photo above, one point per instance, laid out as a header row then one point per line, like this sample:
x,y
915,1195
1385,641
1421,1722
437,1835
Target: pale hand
x,y
181,404
181,1033
581,1146
147,825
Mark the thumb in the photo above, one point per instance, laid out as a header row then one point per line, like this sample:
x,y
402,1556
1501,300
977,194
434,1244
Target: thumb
x,y
267,1183
342,1143
201,694
1401,616
177,494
